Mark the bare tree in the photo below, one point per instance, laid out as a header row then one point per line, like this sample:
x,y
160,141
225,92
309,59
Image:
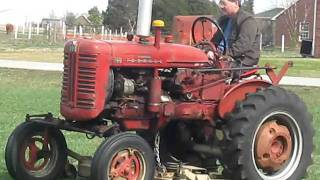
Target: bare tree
x,y
293,17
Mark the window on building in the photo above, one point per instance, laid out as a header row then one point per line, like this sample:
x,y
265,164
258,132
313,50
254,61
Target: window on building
x,y
304,31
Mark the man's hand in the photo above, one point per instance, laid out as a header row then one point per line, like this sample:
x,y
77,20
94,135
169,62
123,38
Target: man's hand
x,y
211,55
226,58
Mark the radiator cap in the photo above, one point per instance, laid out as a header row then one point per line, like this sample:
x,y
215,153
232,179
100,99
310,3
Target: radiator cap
x,y
158,24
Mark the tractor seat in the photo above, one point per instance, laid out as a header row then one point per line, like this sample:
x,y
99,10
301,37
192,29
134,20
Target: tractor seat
x,y
249,73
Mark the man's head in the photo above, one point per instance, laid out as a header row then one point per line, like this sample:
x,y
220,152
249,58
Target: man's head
x,y
230,7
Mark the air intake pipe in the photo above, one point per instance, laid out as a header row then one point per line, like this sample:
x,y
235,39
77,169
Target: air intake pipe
x,y
144,18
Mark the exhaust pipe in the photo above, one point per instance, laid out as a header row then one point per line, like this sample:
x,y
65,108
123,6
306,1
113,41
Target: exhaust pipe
x,y
144,18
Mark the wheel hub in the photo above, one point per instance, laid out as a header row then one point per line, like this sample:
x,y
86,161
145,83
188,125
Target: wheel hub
x,y
126,165
273,146
35,153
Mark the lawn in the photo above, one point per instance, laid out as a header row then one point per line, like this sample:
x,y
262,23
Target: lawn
x,y
302,67
7,41
37,49
32,92
35,92
37,55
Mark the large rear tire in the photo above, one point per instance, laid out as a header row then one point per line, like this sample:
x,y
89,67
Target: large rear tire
x,y
123,156
269,137
35,152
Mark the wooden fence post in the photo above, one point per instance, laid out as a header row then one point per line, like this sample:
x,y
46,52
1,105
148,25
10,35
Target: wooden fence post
x,y
64,30
261,39
23,28
282,43
102,32
80,31
30,30
75,31
16,32
38,28
48,29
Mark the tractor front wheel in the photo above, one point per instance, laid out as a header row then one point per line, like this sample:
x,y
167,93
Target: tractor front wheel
x,y
269,137
123,156
35,152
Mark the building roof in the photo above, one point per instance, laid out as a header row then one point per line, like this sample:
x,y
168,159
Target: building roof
x,y
83,20
270,14
46,21
51,19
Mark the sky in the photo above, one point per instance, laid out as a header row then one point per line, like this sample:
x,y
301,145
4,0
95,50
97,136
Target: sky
x,y
20,11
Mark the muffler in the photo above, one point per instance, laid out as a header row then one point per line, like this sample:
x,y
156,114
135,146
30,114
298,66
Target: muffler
x,y
144,18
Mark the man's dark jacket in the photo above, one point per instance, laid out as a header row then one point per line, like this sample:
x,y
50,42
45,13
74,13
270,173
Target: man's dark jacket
x,y
244,39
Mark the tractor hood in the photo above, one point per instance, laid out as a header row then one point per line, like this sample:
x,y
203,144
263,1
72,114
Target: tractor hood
x,y
169,54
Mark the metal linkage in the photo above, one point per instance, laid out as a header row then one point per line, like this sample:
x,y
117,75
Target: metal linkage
x,y
99,128
234,69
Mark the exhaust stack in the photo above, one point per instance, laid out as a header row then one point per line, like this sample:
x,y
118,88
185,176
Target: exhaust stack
x,y
144,18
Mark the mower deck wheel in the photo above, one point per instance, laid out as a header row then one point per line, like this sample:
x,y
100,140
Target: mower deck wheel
x,y
35,152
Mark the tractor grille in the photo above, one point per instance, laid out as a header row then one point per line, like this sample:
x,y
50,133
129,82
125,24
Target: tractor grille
x,y
79,80
65,92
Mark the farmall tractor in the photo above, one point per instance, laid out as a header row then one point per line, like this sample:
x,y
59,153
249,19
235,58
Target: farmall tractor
x,y
166,111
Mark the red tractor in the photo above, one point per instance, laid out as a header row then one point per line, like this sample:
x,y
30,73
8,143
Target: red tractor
x,y
164,108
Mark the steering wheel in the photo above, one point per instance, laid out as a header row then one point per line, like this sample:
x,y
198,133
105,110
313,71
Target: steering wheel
x,y
204,43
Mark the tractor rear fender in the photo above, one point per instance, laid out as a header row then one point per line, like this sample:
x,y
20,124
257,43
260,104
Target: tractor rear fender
x,y
238,93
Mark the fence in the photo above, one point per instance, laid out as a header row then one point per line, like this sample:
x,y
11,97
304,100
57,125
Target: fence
x,y
59,31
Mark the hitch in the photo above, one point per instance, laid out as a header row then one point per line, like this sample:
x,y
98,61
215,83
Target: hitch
x,y
275,79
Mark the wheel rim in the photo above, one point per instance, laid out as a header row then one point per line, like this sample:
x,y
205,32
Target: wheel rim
x,y
127,164
277,146
38,154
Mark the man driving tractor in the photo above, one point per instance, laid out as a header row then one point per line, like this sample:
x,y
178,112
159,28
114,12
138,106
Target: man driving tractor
x,y
241,32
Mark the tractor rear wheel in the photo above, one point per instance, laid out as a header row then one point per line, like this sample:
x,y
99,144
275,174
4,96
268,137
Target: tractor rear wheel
x,y
35,152
123,156
269,136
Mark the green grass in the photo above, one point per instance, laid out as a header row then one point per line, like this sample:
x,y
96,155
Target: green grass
x,y
276,52
311,97
37,49
302,67
7,41
37,55
33,92
38,92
